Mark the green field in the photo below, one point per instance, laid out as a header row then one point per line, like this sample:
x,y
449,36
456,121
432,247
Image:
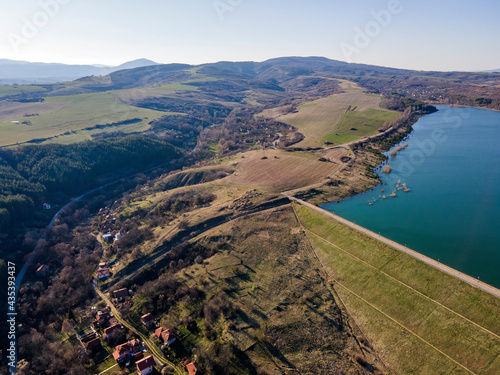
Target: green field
x,y
420,320
331,118
7,90
65,117
365,123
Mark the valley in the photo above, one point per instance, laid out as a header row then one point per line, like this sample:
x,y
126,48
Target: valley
x,y
190,170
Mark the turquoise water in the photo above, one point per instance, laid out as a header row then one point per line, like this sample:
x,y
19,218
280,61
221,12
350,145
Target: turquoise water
x,y
452,211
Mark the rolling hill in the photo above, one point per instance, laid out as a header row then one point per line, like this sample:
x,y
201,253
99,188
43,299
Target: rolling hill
x,y
13,71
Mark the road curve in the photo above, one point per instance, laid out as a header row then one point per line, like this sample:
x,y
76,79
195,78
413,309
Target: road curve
x,y
433,263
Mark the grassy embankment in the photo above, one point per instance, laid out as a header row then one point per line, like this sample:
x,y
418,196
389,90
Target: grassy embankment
x,y
340,118
419,319
286,317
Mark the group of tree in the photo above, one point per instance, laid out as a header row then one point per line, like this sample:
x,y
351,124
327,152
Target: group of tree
x,y
31,175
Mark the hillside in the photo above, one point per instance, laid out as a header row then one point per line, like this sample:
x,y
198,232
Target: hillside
x,y
23,72
183,175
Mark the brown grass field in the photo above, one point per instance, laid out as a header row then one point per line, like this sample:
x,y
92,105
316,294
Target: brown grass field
x,y
282,170
318,119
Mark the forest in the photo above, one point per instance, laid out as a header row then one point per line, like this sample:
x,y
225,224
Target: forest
x,y
54,173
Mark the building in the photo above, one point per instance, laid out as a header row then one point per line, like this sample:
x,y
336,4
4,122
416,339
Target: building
x,y
103,273
145,366
108,238
158,332
168,337
102,317
120,294
103,265
93,345
193,369
148,320
122,352
108,332
42,270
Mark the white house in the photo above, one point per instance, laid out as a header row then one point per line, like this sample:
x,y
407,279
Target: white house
x,y
145,366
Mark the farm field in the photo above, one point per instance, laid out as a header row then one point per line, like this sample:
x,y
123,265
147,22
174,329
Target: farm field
x,y
276,171
419,319
354,125
66,117
333,117
7,90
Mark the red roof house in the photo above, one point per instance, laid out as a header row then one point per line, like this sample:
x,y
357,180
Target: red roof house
x,y
122,352
193,369
145,366
148,320
102,273
110,330
42,270
120,294
168,337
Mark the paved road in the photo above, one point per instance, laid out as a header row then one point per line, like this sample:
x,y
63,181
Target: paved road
x,y
451,271
153,349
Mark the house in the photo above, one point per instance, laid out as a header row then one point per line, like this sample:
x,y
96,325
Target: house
x,y
135,343
122,352
168,337
93,345
118,236
103,273
148,320
158,332
193,369
120,294
102,317
108,332
103,265
108,238
42,270
145,366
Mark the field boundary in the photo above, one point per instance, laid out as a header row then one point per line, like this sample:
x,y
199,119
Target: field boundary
x,y
402,283
433,263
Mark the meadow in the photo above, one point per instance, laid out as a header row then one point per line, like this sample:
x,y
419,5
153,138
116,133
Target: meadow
x,y
419,319
332,118
67,117
7,90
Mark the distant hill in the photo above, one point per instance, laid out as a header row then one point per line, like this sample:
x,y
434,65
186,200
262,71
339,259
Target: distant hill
x,y
23,72
493,71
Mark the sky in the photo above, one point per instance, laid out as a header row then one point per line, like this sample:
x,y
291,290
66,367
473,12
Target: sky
x,y
414,34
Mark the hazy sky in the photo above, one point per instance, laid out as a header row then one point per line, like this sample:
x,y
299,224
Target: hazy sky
x,y
416,34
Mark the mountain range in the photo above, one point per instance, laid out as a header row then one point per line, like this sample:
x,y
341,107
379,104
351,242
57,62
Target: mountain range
x,y
23,72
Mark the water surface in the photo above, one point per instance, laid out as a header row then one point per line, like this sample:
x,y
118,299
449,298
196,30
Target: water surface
x,y
452,211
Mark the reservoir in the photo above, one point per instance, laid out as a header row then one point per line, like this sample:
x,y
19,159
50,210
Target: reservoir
x,y
446,183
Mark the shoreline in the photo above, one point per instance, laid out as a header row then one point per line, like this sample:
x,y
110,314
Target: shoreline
x,y
429,261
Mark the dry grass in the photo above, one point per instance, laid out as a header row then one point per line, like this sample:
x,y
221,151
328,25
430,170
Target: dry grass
x,y
319,120
285,304
281,170
398,301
